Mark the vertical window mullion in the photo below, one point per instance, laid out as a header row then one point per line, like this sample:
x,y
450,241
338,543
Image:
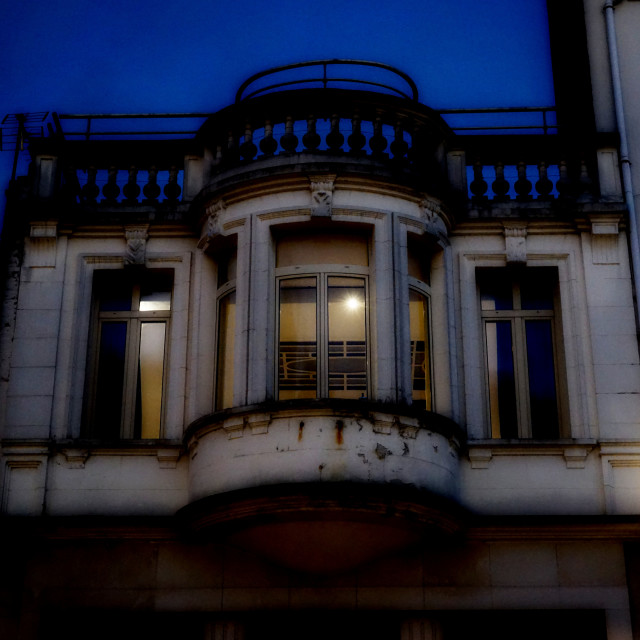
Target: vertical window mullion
x,y
131,378
322,339
522,377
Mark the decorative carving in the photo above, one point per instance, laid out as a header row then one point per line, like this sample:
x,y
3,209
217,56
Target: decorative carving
x,y
75,458
213,225
322,194
432,214
136,244
515,240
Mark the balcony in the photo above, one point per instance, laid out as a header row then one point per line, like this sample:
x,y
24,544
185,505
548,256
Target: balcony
x,y
323,486
157,166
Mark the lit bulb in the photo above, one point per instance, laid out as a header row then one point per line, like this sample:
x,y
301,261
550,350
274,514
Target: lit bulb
x,y
352,303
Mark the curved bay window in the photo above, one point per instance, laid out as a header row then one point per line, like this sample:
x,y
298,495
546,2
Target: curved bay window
x,y
132,313
322,316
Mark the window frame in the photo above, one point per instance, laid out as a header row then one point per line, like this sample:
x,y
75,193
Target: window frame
x,y
517,319
424,290
225,290
134,319
322,273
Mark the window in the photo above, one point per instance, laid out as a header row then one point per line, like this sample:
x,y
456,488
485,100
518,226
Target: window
x,y
132,312
518,312
226,295
322,316
418,267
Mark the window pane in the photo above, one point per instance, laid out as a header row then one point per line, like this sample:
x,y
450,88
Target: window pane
x,y
537,287
227,266
115,290
155,292
502,387
110,380
496,293
418,259
150,380
298,358
322,248
226,342
542,382
347,343
418,327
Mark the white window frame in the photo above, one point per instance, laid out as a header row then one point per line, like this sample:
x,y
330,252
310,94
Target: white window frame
x,y
423,289
133,319
517,318
322,273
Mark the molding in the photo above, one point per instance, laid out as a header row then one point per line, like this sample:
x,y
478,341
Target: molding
x,y
44,237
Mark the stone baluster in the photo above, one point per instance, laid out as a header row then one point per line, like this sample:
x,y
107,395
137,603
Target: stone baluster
x,y
335,139
268,144
311,140
399,146
289,141
478,185
500,185
248,150
151,190
71,186
377,143
172,189
231,151
131,190
562,185
111,190
523,185
585,184
356,140
90,191
544,186
218,157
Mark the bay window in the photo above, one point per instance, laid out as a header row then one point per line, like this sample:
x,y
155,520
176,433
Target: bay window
x,y
322,333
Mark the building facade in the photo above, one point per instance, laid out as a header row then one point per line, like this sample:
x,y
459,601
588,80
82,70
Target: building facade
x,y
330,367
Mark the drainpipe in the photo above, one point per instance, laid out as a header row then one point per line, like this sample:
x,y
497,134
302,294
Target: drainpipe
x,y
627,179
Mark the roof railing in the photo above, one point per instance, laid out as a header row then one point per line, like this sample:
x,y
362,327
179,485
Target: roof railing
x,y
325,80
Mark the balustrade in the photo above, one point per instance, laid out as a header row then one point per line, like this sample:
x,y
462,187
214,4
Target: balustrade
x,y
526,182
114,185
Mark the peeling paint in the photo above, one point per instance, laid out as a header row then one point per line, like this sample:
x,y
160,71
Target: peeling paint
x,y
382,452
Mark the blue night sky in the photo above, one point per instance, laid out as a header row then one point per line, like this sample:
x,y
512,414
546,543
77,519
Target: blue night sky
x,y
128,56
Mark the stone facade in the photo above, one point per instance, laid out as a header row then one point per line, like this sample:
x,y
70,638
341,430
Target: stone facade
x,y
322,375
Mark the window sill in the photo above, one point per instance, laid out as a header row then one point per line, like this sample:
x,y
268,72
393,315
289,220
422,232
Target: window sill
x,y
574,451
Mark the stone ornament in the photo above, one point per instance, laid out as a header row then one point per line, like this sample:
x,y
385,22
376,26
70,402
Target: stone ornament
x,y
322,194
136,251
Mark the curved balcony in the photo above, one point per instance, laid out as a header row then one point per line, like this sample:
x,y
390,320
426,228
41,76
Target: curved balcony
x,y
323,486
284,127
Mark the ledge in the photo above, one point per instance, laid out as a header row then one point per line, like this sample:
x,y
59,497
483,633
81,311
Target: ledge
x,y
365,409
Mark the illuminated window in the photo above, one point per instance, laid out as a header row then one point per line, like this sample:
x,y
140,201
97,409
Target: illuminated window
x,y
226,296
418,267
518,312
322,317
132,311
